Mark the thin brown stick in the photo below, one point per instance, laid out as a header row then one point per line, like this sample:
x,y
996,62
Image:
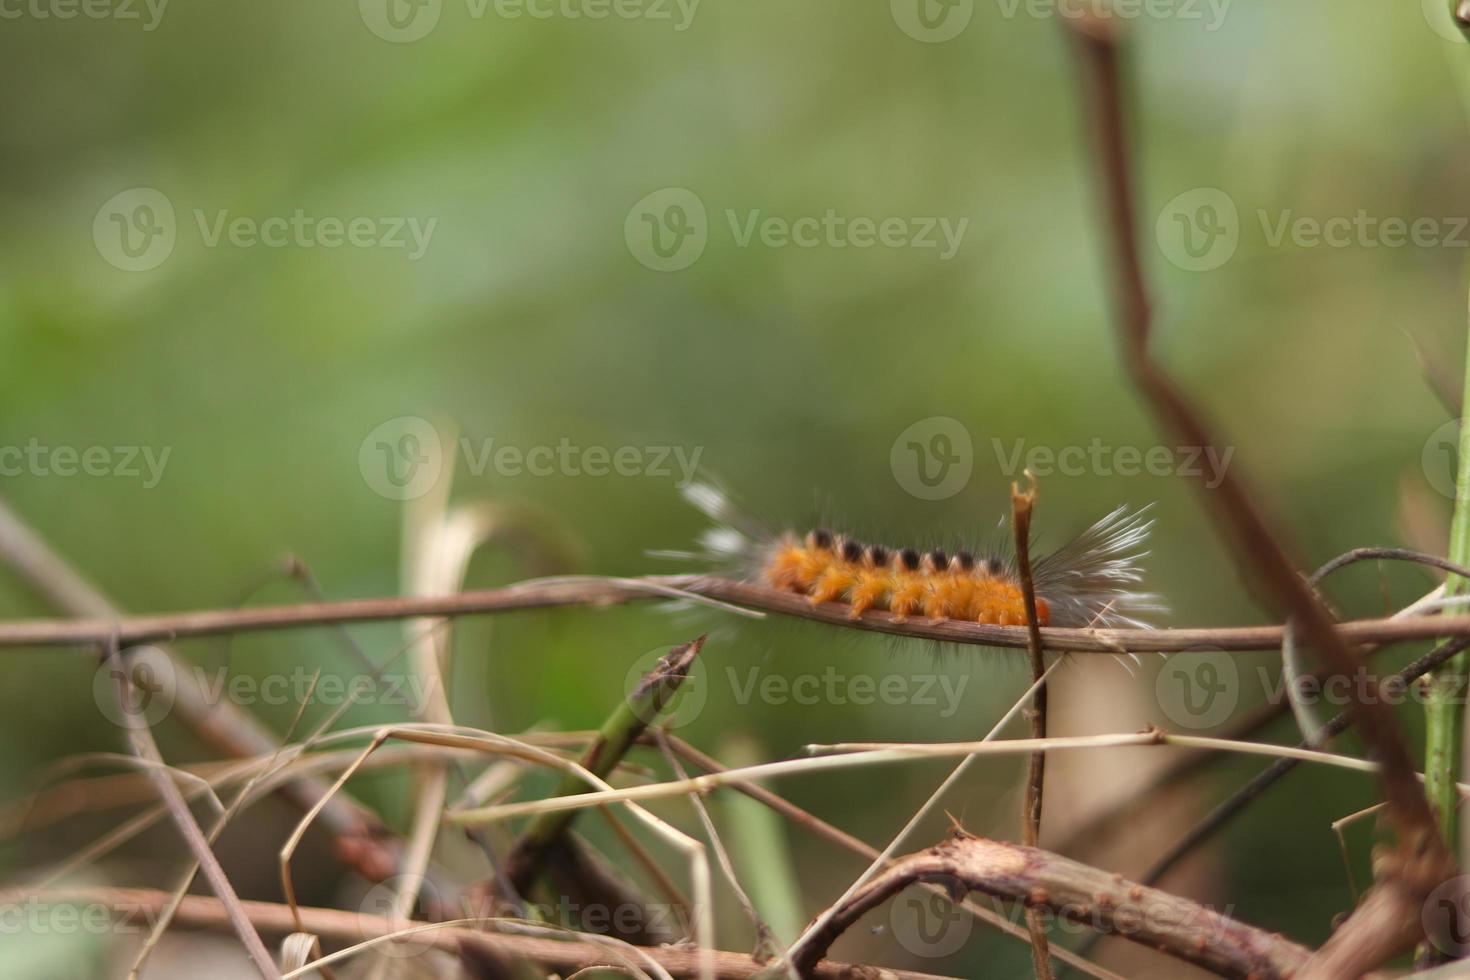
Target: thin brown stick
x,y
140,740
645,860
131,904
1022,506
1039,879
1444,387
766,943
557,593
1257,542
240,800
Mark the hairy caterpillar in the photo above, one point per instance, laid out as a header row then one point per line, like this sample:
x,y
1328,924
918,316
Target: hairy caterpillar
x,y
1090,581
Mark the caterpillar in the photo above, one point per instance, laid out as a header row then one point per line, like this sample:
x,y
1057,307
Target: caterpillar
x,y
1090,581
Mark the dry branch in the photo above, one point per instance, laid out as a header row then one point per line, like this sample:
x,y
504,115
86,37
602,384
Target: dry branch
x,y
129,904
360,839
1022,506
590,591
841,838
1107,902
1424,860
141,742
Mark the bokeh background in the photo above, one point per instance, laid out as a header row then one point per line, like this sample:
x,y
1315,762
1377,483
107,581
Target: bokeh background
x,y
538,314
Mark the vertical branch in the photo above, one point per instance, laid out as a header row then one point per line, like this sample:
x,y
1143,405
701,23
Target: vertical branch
x,y
1422,860
1022,505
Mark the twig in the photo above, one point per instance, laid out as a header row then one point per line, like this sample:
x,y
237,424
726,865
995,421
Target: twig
x,y
563,955
140,739
1293,671
1424,860
1392,687
136,824
661,879
859,754
1220,816
1440,382
1022,505
1379,928
767,944
494,744
593,591
1257,719
241,798
359,836
1106,902
1236,803
437,547
848,842
882,860
760,841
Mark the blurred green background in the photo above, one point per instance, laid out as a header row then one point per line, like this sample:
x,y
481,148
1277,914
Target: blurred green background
x,y
532,317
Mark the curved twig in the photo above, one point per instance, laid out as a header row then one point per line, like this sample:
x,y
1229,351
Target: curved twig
x,y
1107,902
1293,669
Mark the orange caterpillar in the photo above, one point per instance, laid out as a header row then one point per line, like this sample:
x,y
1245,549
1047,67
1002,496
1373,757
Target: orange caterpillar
x,y
1090,581
826,568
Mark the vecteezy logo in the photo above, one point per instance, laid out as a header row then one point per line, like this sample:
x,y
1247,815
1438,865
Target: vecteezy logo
x,y
135,230
402,458
933,458
1199,230
667,230
929,924
148,697
400,21
1198,688
1441,454
1446,917
380,903
676,710
932,21
1442,20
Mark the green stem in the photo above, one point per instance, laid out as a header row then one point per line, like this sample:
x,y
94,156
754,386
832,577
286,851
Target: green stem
x,y
645,704
1444,708
761,850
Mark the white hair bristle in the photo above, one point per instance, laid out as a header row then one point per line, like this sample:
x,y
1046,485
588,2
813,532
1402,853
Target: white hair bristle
x,y
725,541
1090,581
711,501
